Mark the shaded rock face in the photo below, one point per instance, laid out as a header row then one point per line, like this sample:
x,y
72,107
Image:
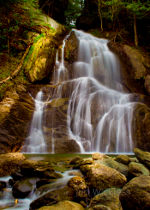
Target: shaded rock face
x,y
16,113
136,194
141,127
133,67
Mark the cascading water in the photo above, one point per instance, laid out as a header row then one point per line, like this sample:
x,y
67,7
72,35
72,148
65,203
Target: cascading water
x,y
99,115
35,142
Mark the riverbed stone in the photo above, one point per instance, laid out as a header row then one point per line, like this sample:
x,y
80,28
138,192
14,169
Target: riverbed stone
x,y
23,188
2,185
136,194
53,197
108,198
143,157
66,205
122,168
138,169
102,177
123,159
10,163
79,186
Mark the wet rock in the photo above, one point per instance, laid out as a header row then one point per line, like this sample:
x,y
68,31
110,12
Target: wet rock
x,y
134,159
102,177
10,163
108,198
53,197
75,160
71,48
39,169
147,84
2,185
141,124
98,156
123,159
42,182
114,164
136,194
23,188
66,205
79,186
144,157
138,169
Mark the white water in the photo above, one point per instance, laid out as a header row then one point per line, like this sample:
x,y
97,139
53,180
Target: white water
x,y
100,112
35,142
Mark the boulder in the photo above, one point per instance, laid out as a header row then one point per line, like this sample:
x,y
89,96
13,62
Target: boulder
x,y
98,156
10,163
108,198
102,177
114,164
123,159
23,188
136,194
99,207
53,197
138,169
79,186
144,157
66,205
2,185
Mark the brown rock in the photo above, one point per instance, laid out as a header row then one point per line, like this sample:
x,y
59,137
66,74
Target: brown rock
x,y
52,197
66,205
108,198
102,177
138,169
144,157
147,84
79,186
122,159
136,194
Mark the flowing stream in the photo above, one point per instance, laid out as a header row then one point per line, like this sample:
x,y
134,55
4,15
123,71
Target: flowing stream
x,y
99,113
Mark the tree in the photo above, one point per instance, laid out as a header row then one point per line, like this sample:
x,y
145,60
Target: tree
x,y
139,10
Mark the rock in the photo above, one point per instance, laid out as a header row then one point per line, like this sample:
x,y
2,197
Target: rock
x,y
102,177
136,194
52,197
144,157
2,185
71,48
114,164
39,169
147,84
122,159
66,205
141,125
79,186
99,207
108,198
75,160
23,188
134,159
40,59
10,163
98,156
16,111
138,169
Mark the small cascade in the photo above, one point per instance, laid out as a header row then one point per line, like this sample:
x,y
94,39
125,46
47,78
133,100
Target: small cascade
x,y
99,116
35,142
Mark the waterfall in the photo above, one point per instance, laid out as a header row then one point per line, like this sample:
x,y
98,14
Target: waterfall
x,y
99,110
35,142
99,115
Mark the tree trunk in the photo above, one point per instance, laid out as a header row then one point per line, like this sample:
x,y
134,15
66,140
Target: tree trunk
x,y
135,31
100,14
